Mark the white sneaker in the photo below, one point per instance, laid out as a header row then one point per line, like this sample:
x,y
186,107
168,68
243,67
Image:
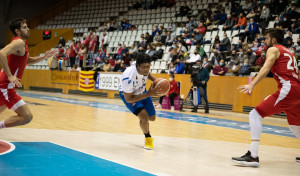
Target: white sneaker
x,y
158,106
172,108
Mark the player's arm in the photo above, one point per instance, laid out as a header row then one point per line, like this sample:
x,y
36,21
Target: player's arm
x,y
151,77
13,48
272,55
33,60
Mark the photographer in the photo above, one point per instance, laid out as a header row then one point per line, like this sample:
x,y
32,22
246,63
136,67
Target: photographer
x,y
199,77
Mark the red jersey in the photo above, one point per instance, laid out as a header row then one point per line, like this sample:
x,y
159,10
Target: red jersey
x,y
72,51
173,87
285,67
16,65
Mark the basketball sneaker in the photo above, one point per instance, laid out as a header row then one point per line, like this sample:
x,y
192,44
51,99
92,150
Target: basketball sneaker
x,y
148,143
298,159
172,108
246,160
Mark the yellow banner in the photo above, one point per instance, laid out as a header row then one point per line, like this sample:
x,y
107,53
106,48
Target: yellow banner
x,y
65,77
86,81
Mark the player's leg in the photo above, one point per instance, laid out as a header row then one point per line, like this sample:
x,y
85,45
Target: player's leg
x,y
2,108
293,117
23,117
265,108
150,111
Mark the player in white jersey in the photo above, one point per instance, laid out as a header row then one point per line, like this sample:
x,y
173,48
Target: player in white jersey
x,y
135,96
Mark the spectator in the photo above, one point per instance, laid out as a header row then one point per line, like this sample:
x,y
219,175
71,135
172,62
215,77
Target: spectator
x,y
170,38
228,23
148,4
245,69
234,56
217,57
225,44
73,53
123,24
297,47
251,57
170,3
172,27
252,14
138,4
220,70
265,14
201,29
133,50
142,43
184,10
62,41
201,51
163,37
234,69
173,92
260,61
157,40
92,47
181,47
82,56
155,30
262,46
148,38
227,8
276,22
293,15
150,51
179,67
252,30
174,52
104,40
206,64
242,22
171,68
202,78
288,40
106,67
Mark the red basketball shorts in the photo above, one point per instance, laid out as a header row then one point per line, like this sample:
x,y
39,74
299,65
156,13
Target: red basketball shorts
x,y
286,99
10,99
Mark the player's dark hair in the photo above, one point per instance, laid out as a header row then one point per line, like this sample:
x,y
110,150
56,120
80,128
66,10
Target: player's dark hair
x,y
275,33
142,58
16,24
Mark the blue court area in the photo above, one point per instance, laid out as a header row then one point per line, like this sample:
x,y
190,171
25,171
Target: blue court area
x,y
44,158
268,129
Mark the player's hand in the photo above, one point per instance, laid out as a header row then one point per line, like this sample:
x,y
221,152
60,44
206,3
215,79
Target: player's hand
x,y
14,81
154,91
246,88
50,53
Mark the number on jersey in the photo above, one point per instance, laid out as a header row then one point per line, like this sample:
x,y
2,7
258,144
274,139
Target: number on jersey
x,y
291,65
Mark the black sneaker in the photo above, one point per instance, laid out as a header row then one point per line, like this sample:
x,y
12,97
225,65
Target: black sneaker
x,y
246,160
298,159
194,110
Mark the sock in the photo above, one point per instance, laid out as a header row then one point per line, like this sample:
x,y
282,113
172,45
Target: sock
x,y
256,128
147,135
2,124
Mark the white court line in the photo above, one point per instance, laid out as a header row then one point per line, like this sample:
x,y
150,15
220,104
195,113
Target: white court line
x,y
12,147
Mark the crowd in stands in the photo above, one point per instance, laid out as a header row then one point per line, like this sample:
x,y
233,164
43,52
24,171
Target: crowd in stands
x,y
224,58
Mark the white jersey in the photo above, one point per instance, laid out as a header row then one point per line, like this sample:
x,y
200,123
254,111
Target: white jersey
x,y
132,81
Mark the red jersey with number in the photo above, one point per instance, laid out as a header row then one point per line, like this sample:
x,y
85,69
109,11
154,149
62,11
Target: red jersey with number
x,y
16,65
285,67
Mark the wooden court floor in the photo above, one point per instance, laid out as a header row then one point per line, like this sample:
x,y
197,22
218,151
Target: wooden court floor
x,y
185,143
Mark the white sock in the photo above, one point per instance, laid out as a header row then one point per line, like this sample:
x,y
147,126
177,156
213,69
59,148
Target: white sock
x,y
256,128
2,124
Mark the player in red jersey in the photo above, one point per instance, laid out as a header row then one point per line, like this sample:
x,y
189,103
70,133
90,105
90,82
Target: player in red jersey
x,y
281,61
13,59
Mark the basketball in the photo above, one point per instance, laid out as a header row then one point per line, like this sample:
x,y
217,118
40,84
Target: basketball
x,y
164,85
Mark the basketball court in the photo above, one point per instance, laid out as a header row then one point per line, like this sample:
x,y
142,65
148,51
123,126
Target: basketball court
x,y
81,135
